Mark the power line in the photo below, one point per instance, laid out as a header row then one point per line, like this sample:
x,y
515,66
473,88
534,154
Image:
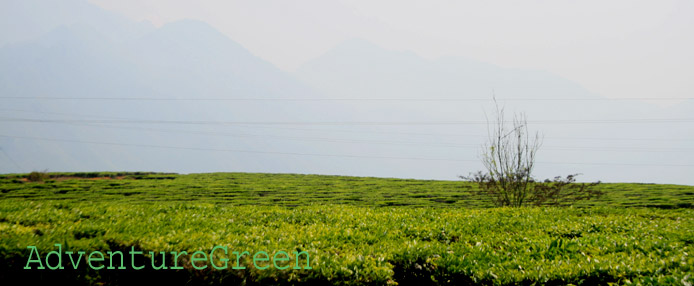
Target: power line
x,y
11,160
324,155
383,142
349,131
338,99
461,135
63,113
231,150
352,123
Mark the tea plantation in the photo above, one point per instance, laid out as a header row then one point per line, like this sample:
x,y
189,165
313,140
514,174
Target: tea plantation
x,y
353,231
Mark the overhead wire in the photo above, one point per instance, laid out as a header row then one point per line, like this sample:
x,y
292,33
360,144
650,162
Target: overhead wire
x,y
285,99
382,142
351,123
369,132
11,160
322,155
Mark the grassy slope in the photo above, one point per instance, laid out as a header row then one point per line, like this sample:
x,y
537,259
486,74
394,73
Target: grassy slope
x,y
350,241
296,190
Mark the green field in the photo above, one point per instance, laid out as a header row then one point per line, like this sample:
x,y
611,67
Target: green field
x,y
299,190
357,231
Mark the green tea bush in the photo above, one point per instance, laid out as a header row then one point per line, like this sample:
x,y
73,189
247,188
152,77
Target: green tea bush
x,y
350,245
36,176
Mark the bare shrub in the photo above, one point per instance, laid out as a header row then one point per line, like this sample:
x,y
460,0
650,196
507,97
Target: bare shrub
x,y
509,158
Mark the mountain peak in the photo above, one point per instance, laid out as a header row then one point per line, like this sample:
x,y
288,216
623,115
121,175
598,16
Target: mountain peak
x,y
192,36
358,47
191,27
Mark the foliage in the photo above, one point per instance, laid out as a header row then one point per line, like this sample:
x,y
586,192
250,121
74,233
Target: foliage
x,y
292,190
351,245
346,224
563,191
509,159
37,176
557,192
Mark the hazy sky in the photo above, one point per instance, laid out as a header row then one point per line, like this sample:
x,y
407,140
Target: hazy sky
x,y
622,48
554,60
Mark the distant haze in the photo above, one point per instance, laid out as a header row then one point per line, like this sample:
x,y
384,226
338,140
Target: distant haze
x,y
368,88
620,48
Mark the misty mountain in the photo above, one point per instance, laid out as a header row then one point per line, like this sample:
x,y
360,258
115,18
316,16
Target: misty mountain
x,y
361,69
449,89
26,20
186,98
184,60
